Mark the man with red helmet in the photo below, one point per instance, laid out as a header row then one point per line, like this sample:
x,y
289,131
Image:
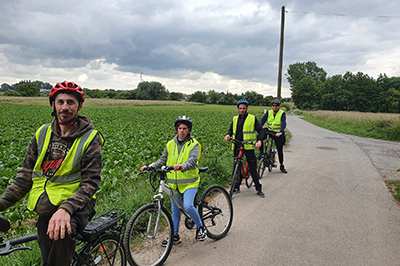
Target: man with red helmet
x,y
62,172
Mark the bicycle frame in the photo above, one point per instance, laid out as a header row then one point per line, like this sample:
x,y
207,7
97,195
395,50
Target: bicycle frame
x,y
95,232
269,143
267,157
165,188
159,197
238,161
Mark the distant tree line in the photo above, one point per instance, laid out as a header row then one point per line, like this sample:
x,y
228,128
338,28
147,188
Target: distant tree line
x,y
313,90
213,97
25,88
145,91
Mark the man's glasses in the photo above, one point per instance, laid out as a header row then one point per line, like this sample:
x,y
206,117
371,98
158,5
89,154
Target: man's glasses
x,y
275,105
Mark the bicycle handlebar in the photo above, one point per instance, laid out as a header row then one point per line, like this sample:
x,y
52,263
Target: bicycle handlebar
x,y
241,142
7,247
23,239
163,169
167,169
162,173
271,133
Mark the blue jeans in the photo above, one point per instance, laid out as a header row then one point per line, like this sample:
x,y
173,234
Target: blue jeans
x,y
188,199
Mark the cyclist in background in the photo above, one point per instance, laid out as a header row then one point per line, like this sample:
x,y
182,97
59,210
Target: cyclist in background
x,y
276,121
244,127
182,152
62,171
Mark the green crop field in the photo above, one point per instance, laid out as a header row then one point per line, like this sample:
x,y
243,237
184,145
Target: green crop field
x,y
135,135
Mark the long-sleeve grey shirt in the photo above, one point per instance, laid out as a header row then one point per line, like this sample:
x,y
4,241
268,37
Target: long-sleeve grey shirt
x,y
191,162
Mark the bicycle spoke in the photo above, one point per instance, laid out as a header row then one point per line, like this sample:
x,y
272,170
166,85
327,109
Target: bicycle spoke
x,y
216,211
142,242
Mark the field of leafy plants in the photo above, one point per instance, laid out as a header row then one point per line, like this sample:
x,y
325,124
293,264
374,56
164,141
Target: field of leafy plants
x,y
135,136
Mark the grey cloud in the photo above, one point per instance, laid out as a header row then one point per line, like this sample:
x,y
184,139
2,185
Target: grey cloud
x,y
173,38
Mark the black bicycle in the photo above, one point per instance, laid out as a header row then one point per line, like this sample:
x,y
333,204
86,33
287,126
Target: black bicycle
x,y
267,157
152,223
99,244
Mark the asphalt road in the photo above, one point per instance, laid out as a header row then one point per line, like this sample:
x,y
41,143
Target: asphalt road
x,y
332,208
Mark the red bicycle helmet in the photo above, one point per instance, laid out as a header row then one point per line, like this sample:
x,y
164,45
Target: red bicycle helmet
x,y
66,86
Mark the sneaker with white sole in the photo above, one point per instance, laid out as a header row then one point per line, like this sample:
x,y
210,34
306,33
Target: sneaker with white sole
x,y
177,240
201,233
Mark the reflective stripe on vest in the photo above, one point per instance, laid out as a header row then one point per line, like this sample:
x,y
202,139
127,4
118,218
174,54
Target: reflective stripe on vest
x,y
274,122
249,132
66,180
190,178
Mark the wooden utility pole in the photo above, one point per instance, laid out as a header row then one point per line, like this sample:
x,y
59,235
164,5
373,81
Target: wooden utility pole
x,y
281,54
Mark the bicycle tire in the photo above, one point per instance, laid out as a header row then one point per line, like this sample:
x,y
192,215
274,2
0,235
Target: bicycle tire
x,y
249,180
142,248
216,211
271,161
103,251
235,178
261,167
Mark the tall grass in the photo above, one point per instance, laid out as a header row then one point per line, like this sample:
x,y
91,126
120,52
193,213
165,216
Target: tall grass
x,y
371,125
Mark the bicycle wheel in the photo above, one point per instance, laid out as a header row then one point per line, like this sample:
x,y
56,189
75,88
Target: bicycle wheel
x,y
249,177
271,161
143,236
261,167
216,211
235,178
108,250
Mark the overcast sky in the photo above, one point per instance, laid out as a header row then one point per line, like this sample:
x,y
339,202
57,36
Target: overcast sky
x,y
191,45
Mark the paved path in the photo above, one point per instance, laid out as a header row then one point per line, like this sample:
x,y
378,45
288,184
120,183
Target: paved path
x,y
332,208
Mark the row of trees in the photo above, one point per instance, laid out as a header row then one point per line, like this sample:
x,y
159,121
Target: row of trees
x,y
213,97
145,91
313,90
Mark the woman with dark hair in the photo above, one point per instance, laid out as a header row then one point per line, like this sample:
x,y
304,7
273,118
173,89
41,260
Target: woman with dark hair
x,y
182,152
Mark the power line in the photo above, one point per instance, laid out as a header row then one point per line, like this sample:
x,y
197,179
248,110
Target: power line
x,y
342,15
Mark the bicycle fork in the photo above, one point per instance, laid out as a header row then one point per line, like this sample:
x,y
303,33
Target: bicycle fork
x,y
159,199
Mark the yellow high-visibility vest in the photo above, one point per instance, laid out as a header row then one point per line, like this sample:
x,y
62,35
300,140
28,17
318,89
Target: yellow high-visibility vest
x,y
274,122
249,131
65,181
190,178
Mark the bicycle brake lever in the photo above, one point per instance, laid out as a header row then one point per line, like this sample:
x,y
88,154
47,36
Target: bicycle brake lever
x,y
20,248
8,250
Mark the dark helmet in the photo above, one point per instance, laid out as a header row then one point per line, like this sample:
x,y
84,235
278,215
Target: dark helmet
x,y
66,86
275,101
183,120
242,101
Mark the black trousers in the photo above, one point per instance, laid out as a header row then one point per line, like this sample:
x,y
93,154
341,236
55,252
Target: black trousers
x,y
279,142
61,252
252,161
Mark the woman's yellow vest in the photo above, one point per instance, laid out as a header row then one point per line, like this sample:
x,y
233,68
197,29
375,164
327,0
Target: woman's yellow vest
x,y
190,178
274,122
65,181
249,131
